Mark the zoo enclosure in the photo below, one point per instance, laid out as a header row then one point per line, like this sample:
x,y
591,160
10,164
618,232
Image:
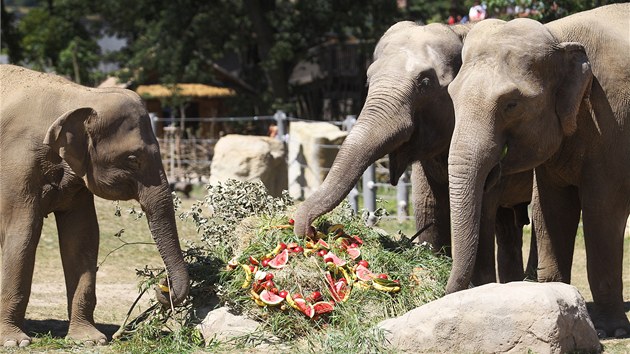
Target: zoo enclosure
x,y
187,158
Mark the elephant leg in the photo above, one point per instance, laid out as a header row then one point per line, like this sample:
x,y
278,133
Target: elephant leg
x,y
509,246
431,206
604,221
78,241
19,243
531,271
556,214
485,266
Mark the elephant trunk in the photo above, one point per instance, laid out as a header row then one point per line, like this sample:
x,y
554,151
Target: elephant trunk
x,y
157,203
471,167
380,128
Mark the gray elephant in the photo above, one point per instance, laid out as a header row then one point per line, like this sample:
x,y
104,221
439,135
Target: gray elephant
x,y
61,144
553,98
409,115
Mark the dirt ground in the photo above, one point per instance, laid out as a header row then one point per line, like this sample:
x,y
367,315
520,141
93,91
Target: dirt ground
x,y
117,281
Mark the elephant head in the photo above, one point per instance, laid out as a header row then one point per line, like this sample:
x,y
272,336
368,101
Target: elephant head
x,y
111,146
407,114
516,98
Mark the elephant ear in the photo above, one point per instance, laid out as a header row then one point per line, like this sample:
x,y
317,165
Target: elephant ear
x,y
575,85
68,137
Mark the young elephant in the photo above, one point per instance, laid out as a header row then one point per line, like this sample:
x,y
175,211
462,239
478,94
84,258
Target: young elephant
x,y
554,98
61,144
408,114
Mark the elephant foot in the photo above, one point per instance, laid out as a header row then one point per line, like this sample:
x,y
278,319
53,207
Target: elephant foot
x,y
12,336
619,333
611,327
86,334
23,343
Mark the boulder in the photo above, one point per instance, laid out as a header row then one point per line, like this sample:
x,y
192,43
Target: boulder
x,y
498,318
221,325
250,158
313,147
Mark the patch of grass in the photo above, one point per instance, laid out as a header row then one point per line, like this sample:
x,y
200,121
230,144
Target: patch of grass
x,y
47,342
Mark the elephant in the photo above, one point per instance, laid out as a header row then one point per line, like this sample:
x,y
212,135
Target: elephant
x,y
409,115
60,144
553,98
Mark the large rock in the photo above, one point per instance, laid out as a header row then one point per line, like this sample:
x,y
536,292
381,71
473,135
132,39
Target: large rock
x,y
313,147
221,325
498,318
250,158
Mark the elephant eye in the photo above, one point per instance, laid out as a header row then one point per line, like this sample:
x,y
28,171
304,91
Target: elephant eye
x,y
511,107
133,161
423,84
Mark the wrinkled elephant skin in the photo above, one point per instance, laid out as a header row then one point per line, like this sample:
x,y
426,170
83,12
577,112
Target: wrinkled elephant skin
x,y
552,97
61,144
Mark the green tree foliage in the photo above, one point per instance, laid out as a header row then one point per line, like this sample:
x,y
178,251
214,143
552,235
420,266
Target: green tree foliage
x,y
177,41
543,11
10,38
54,36
261,41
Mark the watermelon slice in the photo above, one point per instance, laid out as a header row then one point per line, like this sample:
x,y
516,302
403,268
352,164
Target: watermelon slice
x,y
323,307
331,257
270,298
323,244
253,261
309,311
364,274
279,261
339,290
341,287
357,239
354,253
306,308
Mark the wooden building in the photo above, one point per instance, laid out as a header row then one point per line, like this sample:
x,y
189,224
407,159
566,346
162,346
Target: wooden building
x,y
186,101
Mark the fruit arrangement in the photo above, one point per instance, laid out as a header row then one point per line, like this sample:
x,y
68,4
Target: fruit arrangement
x,y
339,258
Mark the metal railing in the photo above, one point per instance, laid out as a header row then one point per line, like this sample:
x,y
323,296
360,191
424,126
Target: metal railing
x,y
190,159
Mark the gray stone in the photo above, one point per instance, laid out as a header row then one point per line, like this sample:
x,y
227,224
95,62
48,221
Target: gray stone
x,y
313,147
221,325
250,158
498,318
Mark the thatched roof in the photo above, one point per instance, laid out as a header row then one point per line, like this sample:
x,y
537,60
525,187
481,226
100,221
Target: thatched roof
x,y
113,82
186,90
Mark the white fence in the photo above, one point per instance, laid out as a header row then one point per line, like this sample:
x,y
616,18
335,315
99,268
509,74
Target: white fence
x,y
190,160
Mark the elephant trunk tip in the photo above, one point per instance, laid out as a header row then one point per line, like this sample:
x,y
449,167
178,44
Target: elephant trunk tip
x,y
303,217
174,293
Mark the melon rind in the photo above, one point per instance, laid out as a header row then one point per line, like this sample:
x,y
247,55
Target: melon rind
x,y
322,307
336,260
363,273
270,298
279,261
354,253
